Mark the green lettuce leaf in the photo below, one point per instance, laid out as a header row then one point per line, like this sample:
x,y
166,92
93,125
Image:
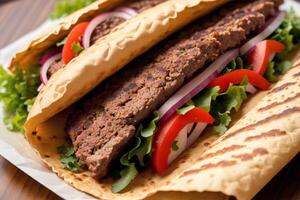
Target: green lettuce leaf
x,y
66,7
141,149
127,175
226,103
68,158
150,128
186,108
175,145
61,43
205,98
238,63
276,69
77,48
17,94
288,33
282,67
270,73
223,120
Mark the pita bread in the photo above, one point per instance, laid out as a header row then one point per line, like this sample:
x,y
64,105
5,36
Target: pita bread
x,y
264,138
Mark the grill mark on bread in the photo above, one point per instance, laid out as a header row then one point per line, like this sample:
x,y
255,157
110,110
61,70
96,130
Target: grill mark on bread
x,y
272,105
227,163
222,151
282,87
296,75
249,156
268,134
266,120
221,164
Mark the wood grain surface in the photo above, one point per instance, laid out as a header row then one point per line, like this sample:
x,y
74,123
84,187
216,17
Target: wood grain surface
x,y
17,17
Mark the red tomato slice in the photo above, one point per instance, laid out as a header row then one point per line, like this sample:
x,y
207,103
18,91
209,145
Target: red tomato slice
x,y
74,36
237,76
260,55
168,132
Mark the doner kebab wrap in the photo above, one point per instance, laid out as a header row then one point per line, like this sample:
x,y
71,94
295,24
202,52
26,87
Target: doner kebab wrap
x,y
195,116
60,46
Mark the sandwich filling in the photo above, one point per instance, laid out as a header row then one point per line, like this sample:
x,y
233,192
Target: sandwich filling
x,y
20,89
107,26
104,122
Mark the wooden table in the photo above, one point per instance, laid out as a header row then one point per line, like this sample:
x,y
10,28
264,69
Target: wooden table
x,y
18,18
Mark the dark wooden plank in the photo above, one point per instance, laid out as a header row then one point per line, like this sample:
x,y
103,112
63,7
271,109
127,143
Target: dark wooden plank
x,y
22,16
17,185
16,19
285,185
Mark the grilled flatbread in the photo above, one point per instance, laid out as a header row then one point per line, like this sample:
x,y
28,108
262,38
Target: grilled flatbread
x,y
264,138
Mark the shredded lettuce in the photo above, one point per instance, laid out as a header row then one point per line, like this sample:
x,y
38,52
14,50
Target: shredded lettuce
x,y
227,102
203,100
175,146
141,149
186,108
223,121
77,48
238,63
66,7
289,34
276,69
270,73
62,42
221,105
17,93
68,158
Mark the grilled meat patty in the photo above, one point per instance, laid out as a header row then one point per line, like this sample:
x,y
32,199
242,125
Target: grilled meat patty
x,y
104,121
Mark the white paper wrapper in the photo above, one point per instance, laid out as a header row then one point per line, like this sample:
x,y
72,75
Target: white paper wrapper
x,y
16,149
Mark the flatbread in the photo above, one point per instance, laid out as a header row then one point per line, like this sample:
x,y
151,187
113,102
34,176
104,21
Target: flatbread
x,y
264,138
31,53
111,53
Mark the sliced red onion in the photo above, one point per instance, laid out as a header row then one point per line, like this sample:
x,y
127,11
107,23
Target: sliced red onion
x,y
272,25
196,133
49,55
192,88
40,87
127,10
98,20
46,65
181,144
251,89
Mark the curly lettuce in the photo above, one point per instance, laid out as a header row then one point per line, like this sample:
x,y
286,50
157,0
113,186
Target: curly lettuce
x,y
17,94
68,158
137,155
226,103
289,34
66,7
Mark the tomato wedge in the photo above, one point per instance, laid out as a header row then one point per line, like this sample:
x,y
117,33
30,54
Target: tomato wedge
x,y
259,57
168,132
74,37
237,76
